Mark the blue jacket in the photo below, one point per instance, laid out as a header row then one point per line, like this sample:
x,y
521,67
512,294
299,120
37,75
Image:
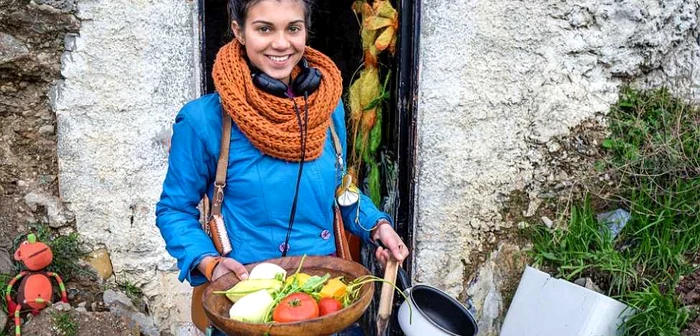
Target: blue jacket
x,y
257,197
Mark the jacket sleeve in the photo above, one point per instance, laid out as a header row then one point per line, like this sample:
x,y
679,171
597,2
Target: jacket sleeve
x,y
361,217
177,216
361,222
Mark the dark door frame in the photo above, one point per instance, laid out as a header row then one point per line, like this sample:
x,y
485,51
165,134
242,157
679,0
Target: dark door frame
x,y
405,106
404,138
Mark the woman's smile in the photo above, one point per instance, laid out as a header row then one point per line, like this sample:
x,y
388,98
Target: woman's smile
x,y
279,61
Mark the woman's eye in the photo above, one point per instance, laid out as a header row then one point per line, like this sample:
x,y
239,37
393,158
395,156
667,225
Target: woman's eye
x,y
264,29
294,29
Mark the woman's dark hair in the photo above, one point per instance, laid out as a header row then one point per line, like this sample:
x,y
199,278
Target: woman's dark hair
x,y
238,11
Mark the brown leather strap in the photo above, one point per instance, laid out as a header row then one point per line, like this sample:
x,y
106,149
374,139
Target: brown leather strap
x,y
221,166
215,226
342,249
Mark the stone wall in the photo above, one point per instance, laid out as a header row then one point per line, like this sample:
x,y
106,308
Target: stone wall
x,y
31,42
498,80
126,74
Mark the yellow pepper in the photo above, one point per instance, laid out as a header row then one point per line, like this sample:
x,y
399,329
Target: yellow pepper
x,y
301,278
335,288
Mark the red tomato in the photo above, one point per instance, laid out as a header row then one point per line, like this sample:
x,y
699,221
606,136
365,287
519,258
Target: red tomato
x,y
295,307
329,305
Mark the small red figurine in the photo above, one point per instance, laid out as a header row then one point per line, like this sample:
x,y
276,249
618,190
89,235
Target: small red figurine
x,y
35,291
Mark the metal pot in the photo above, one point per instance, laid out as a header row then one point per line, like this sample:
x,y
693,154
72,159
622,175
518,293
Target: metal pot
x,y
434,312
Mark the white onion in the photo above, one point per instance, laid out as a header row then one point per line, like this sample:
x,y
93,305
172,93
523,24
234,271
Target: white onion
x,y
252,308
267,271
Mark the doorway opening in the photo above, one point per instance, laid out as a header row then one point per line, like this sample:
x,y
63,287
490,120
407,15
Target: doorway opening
x,y
335,31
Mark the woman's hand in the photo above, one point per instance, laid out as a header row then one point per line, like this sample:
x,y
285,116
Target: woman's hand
x,y
225,265
393,243
229,265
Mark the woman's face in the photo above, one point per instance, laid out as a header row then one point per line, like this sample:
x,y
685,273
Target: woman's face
x,y
274,36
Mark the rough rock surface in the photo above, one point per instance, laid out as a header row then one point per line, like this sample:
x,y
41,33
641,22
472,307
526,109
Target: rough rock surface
x,y
100,261
59,318
126,75
120,304
493,287
499,79
3,321
6,265
31,43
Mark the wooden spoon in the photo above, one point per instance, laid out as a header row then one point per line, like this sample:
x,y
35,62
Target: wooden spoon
x,y
386,297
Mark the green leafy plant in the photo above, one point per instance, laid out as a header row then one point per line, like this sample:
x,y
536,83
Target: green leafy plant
x,y
65,323
584,247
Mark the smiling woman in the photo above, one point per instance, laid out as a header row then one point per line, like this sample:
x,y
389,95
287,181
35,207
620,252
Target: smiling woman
x,y
279,101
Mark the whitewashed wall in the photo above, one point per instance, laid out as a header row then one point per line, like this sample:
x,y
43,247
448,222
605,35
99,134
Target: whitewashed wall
x,y
127,73
496,76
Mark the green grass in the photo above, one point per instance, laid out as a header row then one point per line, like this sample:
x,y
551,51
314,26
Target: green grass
x,y
4,280
659,313
653,152
65,323
131,290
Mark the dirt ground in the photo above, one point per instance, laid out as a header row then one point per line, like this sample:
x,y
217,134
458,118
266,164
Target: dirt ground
x,y
56,321
689,290
567,174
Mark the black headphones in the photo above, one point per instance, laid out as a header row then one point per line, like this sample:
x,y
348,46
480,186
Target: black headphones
x,y
307,82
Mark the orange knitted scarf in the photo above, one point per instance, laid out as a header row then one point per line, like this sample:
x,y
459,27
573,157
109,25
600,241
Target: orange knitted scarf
x,y
269,122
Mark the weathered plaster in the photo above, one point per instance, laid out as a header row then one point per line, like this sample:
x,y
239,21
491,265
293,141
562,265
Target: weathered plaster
x,y
499,76
127,73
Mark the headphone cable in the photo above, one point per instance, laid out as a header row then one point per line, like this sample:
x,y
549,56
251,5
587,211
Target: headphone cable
x,y
303,132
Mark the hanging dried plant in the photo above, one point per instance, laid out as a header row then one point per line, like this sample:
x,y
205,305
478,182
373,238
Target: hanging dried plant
x,y
379,23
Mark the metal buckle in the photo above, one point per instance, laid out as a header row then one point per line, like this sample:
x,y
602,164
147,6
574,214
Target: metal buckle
x,y
339,164
218,196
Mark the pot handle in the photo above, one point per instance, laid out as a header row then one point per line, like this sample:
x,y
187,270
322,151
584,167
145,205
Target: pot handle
x,y
403,280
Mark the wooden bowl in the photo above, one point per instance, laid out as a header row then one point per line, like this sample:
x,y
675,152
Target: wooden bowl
x,y
217,306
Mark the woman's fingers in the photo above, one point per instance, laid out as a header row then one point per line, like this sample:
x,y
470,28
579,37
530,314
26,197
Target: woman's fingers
x,y
382,256
392,244
398,249
230,265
